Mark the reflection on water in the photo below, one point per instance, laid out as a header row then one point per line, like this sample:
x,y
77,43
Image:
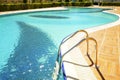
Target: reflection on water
x,y
33,57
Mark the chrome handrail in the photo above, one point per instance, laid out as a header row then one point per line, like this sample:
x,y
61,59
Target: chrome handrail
x,y
68,37
90,38
64,40
87,39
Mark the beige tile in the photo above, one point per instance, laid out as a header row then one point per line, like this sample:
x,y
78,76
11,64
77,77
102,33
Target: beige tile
x,y
109,52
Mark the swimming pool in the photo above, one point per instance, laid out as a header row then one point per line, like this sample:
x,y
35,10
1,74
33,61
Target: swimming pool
x,y
29,41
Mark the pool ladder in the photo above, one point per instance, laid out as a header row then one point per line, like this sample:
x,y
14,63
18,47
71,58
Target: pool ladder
x,y
59,60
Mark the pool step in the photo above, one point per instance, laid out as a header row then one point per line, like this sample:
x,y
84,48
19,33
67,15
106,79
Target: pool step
x,y
77,67
69,46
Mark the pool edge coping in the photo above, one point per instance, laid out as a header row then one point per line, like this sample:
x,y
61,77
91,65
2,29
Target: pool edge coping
x,y
104,26
32,10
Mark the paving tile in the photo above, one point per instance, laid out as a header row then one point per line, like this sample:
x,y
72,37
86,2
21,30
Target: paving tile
x,y
109,52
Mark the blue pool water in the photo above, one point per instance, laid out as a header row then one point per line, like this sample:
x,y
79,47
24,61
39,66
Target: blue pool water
x,y
29,41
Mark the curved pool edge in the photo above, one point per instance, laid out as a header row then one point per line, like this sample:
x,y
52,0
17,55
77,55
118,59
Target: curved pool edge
x,y
33,10
105,26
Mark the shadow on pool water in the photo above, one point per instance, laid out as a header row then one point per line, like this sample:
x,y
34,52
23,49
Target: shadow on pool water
x,y
33,57
49,16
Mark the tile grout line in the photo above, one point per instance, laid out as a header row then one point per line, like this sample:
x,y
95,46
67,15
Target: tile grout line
x,y
102,41
119,43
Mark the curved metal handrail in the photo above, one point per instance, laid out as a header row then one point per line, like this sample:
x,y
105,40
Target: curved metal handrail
x,y
90,38
68,37
75,34
85,39
63,41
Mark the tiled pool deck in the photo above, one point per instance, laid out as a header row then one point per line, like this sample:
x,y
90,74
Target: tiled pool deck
x,y
108,50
